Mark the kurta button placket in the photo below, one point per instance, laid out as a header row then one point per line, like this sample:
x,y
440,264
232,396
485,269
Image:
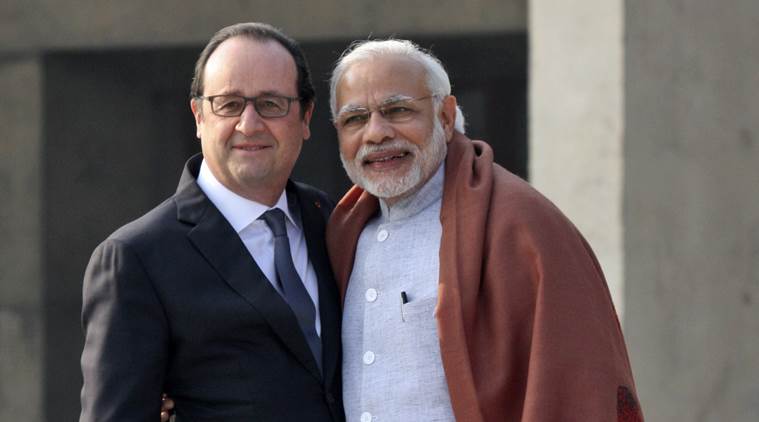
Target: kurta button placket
x,y
381,351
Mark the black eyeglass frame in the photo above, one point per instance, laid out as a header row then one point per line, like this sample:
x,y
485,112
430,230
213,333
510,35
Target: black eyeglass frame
x,y
252,100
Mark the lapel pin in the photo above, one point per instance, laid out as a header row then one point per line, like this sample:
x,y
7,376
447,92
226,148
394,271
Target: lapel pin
x,y
318,204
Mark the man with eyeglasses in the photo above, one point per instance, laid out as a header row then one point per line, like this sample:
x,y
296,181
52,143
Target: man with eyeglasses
x,y
222,296
467,295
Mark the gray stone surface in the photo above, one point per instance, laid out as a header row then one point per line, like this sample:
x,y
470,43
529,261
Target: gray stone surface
x,y
692,207
38,24
21,329
689,190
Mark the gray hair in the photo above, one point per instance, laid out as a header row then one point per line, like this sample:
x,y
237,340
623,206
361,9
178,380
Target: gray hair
x,y
437,78
460,123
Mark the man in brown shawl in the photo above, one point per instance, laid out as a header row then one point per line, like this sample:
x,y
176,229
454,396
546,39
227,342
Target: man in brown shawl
x,y
437,241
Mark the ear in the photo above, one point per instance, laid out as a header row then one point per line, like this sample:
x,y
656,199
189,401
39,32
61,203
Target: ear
x,y
307,120
196,106
447,116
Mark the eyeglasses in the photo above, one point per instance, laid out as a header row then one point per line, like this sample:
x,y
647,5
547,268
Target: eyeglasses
x,y
393,110
233,105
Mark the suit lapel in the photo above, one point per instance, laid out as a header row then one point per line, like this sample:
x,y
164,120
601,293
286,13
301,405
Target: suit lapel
x,y
313,219
221,246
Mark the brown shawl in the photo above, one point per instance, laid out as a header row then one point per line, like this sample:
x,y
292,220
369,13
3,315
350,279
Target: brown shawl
x,y
527,328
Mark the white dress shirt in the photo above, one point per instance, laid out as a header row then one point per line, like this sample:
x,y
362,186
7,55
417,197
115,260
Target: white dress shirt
x,y
242,214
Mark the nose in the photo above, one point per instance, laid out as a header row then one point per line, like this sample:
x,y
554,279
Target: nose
x,y
249,122
377,129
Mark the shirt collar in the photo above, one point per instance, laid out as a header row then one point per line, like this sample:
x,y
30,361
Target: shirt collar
x,y
239,211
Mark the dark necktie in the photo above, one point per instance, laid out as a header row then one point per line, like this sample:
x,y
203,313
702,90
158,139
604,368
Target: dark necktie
x,y
290,283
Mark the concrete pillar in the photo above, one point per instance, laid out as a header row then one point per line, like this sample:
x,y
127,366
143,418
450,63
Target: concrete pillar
x,y
21,272
692,207
660,157
576,121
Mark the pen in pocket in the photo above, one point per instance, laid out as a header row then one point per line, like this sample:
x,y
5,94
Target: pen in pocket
x,y
404,300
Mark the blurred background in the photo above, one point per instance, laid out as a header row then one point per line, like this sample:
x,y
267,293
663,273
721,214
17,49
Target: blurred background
x,y
639,119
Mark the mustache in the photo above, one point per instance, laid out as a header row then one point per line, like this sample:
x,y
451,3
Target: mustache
x,y
395,144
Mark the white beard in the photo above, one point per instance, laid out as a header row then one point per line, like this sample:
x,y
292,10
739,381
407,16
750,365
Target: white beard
x,y
425,162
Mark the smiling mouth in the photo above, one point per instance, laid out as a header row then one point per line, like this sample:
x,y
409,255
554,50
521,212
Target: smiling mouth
x,y
251,147
387,158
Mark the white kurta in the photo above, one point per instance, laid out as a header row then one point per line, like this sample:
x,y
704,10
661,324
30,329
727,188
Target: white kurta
x,y
392,370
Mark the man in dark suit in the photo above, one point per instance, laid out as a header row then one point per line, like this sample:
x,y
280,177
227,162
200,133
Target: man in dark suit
x,y
212,297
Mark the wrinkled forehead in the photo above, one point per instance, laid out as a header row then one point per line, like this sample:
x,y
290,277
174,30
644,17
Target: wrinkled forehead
x,y
375,81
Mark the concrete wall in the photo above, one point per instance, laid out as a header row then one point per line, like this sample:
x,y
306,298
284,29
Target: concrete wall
x,y
21,230
644,128
692,207
44,24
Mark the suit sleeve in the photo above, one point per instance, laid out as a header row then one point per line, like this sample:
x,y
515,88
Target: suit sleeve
x,y
126,338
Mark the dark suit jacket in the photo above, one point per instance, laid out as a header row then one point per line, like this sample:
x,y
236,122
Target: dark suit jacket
x,y
173,302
